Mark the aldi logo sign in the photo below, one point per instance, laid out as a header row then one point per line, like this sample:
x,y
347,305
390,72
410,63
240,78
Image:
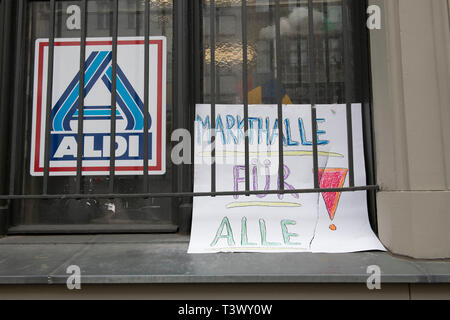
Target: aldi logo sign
x,y
130,108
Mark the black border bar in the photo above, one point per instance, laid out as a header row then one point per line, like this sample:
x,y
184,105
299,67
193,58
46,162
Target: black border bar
x,y
80,140
48,128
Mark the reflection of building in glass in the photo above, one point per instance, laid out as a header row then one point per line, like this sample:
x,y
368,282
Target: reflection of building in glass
x,y
261,49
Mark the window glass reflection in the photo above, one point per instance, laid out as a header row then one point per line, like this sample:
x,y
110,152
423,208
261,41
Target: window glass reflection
x,y
119,211
294,46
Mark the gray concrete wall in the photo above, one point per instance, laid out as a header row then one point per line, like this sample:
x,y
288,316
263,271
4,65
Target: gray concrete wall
x,y
411,82
231,291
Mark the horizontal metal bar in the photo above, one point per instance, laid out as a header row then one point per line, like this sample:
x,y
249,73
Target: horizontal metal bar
x,y
182,194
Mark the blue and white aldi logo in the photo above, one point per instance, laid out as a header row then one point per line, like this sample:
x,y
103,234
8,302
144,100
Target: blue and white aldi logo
x,y
130,108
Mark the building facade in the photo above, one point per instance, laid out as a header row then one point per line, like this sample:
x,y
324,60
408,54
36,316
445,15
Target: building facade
x,y
399,72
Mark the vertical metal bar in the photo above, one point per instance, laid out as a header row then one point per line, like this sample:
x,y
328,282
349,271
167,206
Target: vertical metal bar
x,y
327,52
312,90
5,67
112,154
368,133
17,96
198,58
348,93
245,92
299,59
278,94
197,70
2,24
6,54
51,50
212,26
184,84
180,116
80,144
146,88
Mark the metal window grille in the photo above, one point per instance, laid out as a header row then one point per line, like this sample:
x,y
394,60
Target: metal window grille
x,y
187,63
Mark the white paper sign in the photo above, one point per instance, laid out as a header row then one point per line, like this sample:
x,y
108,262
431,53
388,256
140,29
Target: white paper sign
x,y
317,222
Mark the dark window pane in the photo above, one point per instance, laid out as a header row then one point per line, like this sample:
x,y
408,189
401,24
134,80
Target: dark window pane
x,y
119,211
294,46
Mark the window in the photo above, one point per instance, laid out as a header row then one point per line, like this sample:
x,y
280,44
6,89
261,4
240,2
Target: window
x,y
101,214
187,26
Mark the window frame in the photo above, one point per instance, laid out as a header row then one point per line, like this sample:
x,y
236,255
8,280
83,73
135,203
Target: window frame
x,y
188,37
